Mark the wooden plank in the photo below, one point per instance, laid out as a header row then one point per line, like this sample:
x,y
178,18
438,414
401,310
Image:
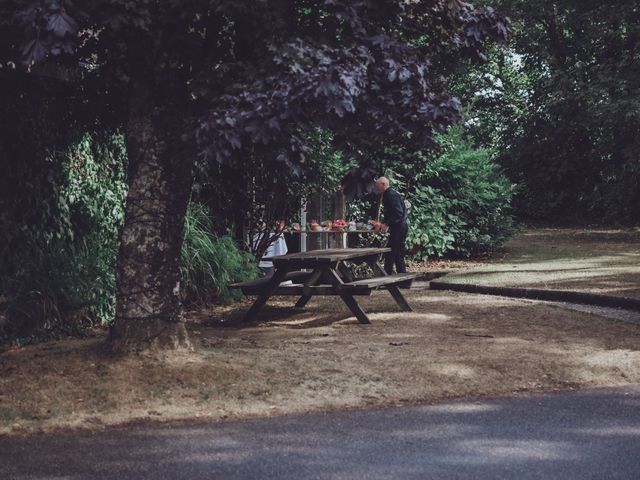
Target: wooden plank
x,y
311,262
345,272
328,256
327,290
295,277
393,289
377,268
268,290
347,298
306,292
399,298
355,308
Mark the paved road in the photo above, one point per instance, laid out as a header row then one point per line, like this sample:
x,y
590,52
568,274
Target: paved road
x,y
588,435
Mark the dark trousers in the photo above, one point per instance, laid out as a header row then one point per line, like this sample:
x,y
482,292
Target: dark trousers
x,y
397,239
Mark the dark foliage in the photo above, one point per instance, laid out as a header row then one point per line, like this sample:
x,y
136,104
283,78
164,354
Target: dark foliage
x,y
566,110
247,71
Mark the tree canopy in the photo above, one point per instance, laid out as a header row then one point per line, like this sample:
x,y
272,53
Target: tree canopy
x,y
256,71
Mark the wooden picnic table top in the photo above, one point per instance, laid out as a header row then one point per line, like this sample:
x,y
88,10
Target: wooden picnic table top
x,y
327,256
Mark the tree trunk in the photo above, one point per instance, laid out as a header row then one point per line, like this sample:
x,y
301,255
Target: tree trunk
x,y
148,310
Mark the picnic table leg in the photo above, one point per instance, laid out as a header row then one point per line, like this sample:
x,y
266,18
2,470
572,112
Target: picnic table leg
x,y
351,302
377,268
355,308
277,277
313,279
345,272
399,298
393,289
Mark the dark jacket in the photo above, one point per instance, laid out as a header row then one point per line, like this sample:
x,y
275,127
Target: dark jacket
x,y
395,213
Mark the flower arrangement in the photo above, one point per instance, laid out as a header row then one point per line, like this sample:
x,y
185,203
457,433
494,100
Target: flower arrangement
x,y
339,225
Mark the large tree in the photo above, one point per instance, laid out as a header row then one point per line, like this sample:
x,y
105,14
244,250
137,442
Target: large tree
x,y
189,78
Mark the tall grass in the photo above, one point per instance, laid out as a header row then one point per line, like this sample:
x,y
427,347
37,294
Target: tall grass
x,y
209,263
59,288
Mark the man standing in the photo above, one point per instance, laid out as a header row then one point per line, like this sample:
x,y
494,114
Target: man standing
x,y
395,217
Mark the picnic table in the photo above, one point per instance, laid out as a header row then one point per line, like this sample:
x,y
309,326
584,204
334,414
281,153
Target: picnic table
x,y
325,272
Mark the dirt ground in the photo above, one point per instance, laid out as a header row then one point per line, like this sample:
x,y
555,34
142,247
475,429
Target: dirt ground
x,y
452,345
603,261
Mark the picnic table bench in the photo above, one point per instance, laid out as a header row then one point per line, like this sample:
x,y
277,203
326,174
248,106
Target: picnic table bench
x,y
327,274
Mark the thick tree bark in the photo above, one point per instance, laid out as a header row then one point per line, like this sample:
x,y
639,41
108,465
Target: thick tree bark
x,y
148,311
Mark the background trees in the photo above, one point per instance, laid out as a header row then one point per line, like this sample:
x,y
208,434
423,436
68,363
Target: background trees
x,y
562,107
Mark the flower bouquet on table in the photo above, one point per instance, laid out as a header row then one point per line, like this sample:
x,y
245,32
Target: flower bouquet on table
x,y
327,225
339,225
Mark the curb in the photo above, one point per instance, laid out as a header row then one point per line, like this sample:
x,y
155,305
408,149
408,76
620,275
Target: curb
x,y
568,296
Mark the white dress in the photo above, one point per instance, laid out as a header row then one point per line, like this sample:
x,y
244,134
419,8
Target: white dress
x,y
278,247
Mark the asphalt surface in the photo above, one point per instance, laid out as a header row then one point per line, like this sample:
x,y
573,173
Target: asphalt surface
x,y
591,434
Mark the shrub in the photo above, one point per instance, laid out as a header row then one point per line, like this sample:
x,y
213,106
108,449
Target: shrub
x,y
210,263
58,260
460,203
60,288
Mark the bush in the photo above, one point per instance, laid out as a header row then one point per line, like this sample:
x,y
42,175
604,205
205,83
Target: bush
x,y
61,278
210,263
59,288
460,199
57,270
460,203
